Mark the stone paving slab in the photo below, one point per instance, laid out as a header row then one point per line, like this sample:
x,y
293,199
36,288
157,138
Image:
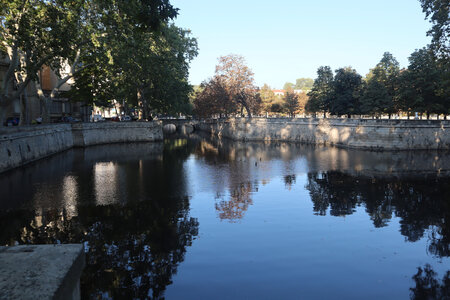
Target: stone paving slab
x,y
41,271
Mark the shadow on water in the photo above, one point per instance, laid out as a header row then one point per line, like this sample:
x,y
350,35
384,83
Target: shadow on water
x,y
130,204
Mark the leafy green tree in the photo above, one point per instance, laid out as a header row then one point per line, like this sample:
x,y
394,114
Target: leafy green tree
x,y
422,84
148,68
302,101
267,97
80,33
382,87
438,11
322,91
374,99
304,84
291,102
347,86
33,34
288,86
277,106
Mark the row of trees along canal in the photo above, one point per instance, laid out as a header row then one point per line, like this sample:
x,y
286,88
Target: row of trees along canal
x,y
127,51
423,87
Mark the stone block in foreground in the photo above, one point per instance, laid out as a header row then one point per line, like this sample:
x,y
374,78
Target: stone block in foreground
x,y
41,271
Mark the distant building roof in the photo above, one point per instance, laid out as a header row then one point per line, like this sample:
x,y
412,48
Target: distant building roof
x,y
278,92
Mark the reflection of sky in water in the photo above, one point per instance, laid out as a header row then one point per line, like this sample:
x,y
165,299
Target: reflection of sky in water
x,y
106,183
70,195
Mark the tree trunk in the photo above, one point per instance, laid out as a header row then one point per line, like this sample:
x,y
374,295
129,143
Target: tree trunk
x,y
142,104
324,114
45,115
428,115
247,109
23,111
349,116
2,114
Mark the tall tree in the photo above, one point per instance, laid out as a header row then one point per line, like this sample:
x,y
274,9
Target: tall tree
x,y
346,90
291,102
438,11
238,80
382,86
422,84
304,84
213,99
322,91
267,98
140,65
79,33
33,34
302,101
288,86
374,98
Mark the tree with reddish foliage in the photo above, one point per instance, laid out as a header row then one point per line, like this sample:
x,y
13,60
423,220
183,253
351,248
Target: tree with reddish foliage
x,y
231,90
238,81
212,98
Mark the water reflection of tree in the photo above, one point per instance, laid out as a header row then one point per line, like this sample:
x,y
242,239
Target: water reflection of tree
x,y
289,181
132,250
235,207
428,286
133,246
328,191
420,203
240,159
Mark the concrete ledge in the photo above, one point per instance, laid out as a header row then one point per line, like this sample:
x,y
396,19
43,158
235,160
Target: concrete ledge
x,y
41,271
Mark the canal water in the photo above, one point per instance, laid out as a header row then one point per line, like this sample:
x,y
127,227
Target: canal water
x,y
200,218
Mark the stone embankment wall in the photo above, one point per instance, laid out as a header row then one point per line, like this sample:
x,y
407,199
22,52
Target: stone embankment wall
x,y
87,134
350,133
21,145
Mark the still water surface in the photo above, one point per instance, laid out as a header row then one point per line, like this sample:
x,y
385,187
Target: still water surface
x,y
213,219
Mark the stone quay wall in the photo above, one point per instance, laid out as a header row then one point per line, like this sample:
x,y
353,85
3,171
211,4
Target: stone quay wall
x,y
348,133
21,145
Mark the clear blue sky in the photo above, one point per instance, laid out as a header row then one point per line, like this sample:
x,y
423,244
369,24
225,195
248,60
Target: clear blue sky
x,y
286,39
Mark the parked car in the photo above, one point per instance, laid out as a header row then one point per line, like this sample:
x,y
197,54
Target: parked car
x,y
115,119
97,118
69,119
11,121
125,119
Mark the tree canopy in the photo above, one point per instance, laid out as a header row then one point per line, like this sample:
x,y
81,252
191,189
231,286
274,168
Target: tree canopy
x,y
438,11
234,78
117,50
321,93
